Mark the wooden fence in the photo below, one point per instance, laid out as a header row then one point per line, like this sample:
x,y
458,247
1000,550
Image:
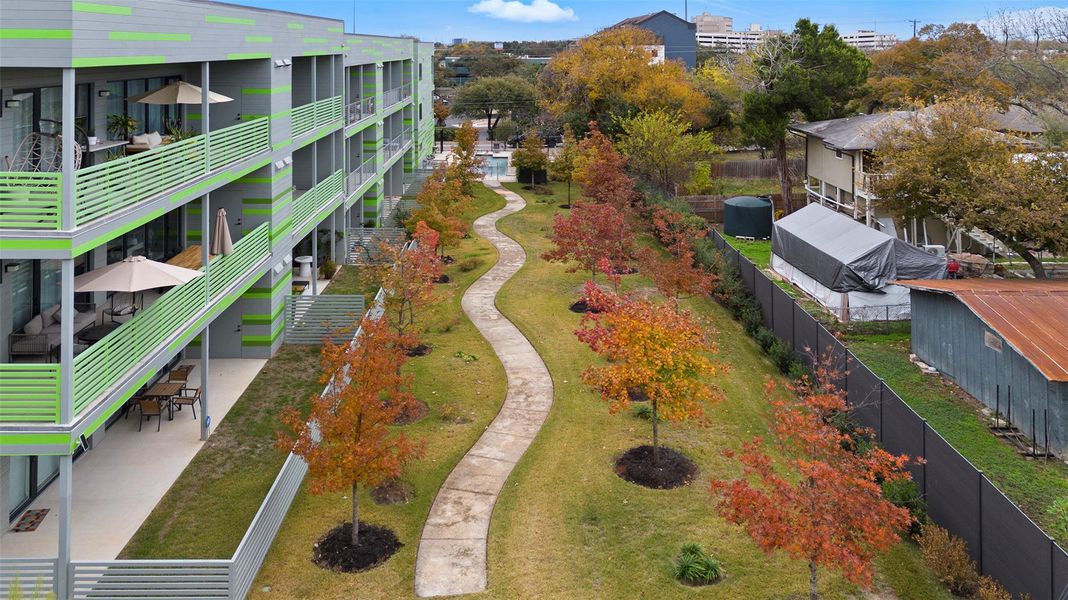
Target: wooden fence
x,y
756,169
710,208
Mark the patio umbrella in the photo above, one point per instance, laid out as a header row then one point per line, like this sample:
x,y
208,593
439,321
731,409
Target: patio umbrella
x,y
133,274
178,92
220,236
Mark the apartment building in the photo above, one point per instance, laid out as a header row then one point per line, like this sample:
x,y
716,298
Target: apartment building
x,y
869,40
314,133
715,31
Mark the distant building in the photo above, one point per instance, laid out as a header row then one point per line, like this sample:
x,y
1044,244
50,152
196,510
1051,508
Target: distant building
x,y
677,34
714,31
869,40
498,46
458,41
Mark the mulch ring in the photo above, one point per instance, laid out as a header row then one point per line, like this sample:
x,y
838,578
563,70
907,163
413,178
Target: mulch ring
x,y
333,551
637,394
565,206
415,411
447,260
443,279
420,350
583,306
675,469
625,270
394,491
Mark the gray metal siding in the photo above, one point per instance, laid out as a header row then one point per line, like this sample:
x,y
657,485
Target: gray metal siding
x,y
680,38
947,335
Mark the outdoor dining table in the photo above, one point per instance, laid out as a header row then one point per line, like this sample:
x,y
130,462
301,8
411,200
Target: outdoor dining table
x,y
164,391
92,335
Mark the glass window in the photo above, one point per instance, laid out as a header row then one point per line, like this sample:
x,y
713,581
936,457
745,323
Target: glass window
x,y
18,479
155,239
154,119
115,252
47,468
116,103
51,283
173,242
136,109
21,294
135,242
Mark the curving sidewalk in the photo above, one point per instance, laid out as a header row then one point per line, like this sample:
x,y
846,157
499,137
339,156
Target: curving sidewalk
x,y
452,548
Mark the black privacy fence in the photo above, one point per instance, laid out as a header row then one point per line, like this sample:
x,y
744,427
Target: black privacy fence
x,y
1004,542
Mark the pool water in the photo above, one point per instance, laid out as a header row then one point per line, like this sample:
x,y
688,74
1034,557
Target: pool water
x,y
495,167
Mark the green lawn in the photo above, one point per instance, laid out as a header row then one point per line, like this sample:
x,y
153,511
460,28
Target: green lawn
x,y
1033,485
758,251
567,526
468,393
350,280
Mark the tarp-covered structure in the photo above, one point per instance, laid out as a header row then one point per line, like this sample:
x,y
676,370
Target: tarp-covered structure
x,y
848,266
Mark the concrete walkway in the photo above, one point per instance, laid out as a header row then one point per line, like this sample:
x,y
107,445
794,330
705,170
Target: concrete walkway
x,y
452,549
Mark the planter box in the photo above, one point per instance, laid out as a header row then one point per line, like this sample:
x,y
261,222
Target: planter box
x,y
541,176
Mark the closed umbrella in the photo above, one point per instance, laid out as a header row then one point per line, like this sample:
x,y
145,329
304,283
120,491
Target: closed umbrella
x,y
178,92
220,236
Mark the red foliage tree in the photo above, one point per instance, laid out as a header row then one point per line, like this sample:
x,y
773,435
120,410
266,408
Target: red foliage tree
x,y
601,170
589,234
677,274
407,277
822,501
662,352
349,441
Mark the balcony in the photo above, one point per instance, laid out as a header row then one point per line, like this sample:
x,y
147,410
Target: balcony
x,y
30,392
311,116
34,200
396,145
359,110
361,175
864,183
396,95
310,203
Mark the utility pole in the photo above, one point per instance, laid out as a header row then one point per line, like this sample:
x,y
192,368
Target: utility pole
x,y
686,9
914,22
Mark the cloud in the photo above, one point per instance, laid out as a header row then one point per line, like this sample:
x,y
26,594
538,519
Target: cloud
x,y
538,11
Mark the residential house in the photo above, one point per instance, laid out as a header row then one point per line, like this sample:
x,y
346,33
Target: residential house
x,y
676,33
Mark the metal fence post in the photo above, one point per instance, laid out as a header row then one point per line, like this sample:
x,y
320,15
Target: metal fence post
x,y
923,445
882,388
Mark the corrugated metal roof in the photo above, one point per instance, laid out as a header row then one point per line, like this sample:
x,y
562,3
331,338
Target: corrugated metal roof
x,y
1031,315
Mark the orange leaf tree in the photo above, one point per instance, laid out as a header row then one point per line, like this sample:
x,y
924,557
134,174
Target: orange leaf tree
x,y
815,499
678,274
407,277
442,202
465,163
601,170
589,234
649,347
347,439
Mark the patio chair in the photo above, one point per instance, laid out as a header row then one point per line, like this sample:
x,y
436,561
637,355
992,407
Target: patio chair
x,y
132,403
188,397
151,408
179,373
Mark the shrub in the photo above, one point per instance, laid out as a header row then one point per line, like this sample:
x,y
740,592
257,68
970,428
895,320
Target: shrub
x,y
906,494
990,589
1059,511
765,338
695,567
948,557
469,264
782,356
328,268
797,371
643,411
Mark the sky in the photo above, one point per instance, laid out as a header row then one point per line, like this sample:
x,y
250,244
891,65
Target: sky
x,y
507,20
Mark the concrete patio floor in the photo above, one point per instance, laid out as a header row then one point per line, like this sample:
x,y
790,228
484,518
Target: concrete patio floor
x,y
120,481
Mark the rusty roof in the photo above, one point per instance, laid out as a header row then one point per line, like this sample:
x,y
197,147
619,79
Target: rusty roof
x,y
1031,315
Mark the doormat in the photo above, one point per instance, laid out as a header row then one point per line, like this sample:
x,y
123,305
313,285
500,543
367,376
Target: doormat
x,y
30,520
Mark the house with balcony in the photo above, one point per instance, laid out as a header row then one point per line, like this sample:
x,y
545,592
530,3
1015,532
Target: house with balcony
x,y
303,134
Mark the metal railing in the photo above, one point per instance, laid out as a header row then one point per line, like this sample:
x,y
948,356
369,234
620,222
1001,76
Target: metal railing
x,y
314,200
312,319
29,200
310,116
29,393
361,174
30,576
101,366
150,579
395,145
365,243
396,95
359,110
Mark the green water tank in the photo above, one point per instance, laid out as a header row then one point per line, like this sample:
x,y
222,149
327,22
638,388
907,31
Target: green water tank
x,y
747,216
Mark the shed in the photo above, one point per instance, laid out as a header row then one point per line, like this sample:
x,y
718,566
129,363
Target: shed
x,y
747,216
847,266
991,335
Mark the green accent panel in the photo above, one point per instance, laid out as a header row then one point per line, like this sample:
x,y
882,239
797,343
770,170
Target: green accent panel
x,y
263,340
259,39
316,52
117,232
269,179
136,36
101,9
284,228
8,439
316,40
117,61
338,48
246,56
266,91
35,34
295,25
228,20
37,244
336,29
263,319
282,144
193,116
261,293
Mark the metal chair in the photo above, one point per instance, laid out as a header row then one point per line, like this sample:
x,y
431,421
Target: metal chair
x,y
188,397
150,407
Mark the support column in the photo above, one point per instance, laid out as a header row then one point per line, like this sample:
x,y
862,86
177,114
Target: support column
x,y
315,260
205,121
64,585
66,341
204,383
205,256
333,235
67,177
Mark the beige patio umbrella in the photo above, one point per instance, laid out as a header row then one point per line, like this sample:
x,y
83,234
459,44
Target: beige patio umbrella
x,y
133,274
220,235
178,92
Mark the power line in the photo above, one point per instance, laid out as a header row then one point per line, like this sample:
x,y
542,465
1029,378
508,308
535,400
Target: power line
x,y
914,22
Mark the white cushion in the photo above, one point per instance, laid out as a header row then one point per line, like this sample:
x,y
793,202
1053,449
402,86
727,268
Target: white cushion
x,y
154,139
140,140
50,315
34,327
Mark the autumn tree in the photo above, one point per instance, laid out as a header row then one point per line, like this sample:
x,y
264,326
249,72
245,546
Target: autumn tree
x,y
407,277
810,70
347,439
612,73
660,148
601,170
946,161
531,158
441,113
590,233
562,167
441,205
465,164
810,494
652,348
492,98
676,273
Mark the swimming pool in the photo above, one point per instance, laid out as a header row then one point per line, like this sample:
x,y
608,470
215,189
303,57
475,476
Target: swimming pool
x,y
495,167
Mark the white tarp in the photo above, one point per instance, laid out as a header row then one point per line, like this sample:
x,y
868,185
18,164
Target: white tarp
x,y
890,302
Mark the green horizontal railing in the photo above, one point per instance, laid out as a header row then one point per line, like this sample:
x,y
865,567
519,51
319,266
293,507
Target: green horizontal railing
x,y
102,189
317,114
104,363
29,200
29,393
315,199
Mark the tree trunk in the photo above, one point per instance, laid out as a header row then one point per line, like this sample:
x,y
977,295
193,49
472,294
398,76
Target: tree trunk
x,y
1032,261
656,434
355,517
569,192
813,586
785,184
